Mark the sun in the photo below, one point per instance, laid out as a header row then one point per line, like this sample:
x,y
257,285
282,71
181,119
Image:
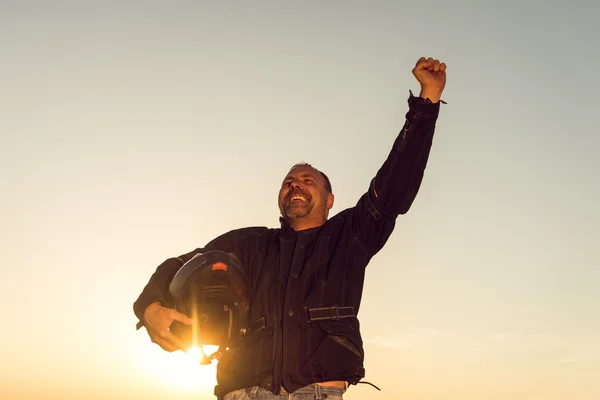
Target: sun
x,y
182,371
188,373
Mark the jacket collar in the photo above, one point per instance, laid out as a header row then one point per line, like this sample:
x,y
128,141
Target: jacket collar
x,y
287,229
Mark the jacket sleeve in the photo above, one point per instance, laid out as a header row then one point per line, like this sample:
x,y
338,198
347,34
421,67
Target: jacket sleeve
x,y
157,288
395,186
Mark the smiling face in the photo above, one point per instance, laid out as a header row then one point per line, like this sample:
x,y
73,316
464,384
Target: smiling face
x,y
304,201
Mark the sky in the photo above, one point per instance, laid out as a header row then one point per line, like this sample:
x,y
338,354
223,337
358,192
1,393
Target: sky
x,y
131,132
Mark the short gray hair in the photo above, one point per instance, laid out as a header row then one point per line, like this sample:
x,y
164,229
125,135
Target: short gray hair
x,y
305,164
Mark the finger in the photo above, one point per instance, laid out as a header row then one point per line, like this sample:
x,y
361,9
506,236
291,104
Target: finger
x,y
428,64
441,71
179,317
167,337
436,66
423,63
420,61
165,345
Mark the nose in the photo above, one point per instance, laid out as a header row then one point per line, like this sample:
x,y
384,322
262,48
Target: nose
x,y
294,184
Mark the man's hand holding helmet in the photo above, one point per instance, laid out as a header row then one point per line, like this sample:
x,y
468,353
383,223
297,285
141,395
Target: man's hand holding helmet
x,y
158,319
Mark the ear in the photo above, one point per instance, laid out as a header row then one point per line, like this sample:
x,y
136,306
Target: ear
x,y
330,199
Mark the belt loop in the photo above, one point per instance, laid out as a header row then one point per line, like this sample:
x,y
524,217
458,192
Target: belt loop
x,y
317,391
334,313
370,206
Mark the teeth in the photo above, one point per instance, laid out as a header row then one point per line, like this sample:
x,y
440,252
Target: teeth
x,y
297,198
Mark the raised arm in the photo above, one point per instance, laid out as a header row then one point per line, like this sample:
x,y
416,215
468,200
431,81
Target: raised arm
x,y
395,186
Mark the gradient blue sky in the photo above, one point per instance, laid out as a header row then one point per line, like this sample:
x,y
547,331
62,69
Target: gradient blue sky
x,y
135,131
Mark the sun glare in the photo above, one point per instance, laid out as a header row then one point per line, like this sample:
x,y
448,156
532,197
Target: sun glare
x,y
195,354
183,371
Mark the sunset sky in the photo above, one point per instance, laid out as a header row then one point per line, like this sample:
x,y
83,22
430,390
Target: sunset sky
x,y
133,131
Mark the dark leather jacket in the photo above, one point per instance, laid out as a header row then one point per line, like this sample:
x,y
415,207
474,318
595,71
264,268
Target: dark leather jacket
x,y
307,285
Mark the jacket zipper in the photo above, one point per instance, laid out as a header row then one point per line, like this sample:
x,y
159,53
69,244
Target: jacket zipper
x,y
278,328
285,306
403,137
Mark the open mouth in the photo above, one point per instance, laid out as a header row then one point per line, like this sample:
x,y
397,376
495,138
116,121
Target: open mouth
x,y
297,198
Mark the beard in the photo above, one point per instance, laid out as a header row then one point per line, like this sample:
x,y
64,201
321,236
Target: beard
x,y
295,211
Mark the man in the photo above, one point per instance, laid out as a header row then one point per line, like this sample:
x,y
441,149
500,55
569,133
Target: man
x,y
307,277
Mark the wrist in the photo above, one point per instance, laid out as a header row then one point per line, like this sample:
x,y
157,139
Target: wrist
x,y
432,93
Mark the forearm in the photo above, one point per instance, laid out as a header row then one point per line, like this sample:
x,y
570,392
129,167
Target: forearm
x,y
157,287
397,182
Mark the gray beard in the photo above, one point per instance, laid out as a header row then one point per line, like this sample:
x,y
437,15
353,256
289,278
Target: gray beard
x,y
295,212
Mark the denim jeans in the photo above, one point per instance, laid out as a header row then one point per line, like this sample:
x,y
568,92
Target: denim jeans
x,y
310,392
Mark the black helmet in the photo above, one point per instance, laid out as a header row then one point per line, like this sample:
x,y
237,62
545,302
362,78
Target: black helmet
x,y
212,289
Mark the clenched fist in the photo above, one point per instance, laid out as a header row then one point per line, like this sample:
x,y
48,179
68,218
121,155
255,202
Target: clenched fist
x,y
431,74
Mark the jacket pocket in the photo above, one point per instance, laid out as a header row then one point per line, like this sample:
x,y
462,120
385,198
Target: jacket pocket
x,y
333,351
242,361
345,333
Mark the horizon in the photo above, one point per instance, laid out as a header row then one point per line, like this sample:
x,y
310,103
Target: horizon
x,y
133,133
